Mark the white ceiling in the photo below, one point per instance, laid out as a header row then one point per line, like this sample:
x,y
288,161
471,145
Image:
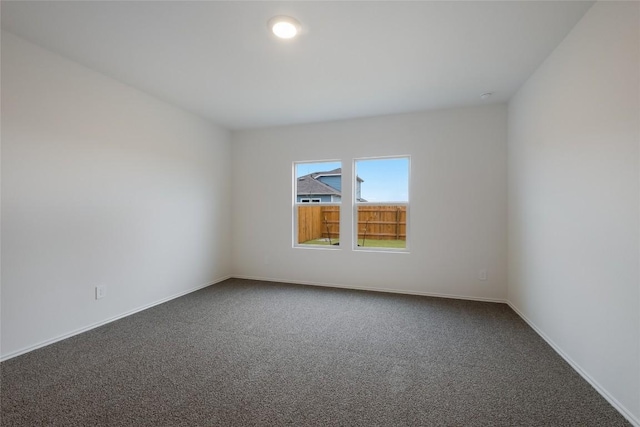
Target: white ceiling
x,y
354,58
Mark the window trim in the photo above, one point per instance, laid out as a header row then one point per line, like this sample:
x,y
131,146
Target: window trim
x,y
356,203
296,204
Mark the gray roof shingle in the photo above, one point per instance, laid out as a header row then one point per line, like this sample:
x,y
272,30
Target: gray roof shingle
x,y
309,184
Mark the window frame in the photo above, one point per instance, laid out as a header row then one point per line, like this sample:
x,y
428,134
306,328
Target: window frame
x,y
296,204
356,203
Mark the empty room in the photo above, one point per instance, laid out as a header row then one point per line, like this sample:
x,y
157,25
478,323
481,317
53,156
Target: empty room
x,y
320,213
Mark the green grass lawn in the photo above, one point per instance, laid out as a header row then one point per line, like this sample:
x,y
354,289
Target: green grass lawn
x,y
368,243
396,244
323,241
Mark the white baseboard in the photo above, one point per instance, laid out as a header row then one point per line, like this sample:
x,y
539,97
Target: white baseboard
x,y
617,405
104,322
365,288
603,392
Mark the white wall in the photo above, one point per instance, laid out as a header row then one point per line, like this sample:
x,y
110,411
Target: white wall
x,y
574,194
458,202
101,185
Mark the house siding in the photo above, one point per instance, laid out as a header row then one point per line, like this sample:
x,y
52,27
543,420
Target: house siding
x,y
333,181
327,198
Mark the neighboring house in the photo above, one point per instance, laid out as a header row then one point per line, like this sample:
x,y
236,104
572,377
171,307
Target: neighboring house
x,y
323,187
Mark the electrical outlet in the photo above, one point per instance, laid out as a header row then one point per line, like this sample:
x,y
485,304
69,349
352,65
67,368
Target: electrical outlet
x,y
101,292
482,274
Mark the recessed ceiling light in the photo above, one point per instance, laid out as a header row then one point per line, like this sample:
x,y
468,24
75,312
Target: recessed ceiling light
x,y
284,27
486,95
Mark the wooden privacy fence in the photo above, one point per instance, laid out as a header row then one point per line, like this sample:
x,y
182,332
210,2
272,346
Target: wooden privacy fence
x,y
381,222
315,222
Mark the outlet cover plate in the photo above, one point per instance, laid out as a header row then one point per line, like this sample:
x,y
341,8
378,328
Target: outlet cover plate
x,y
101,292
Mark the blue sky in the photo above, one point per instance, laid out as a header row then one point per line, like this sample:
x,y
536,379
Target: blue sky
x,y
385,180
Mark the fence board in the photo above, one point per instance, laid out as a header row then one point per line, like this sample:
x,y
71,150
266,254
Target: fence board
x,y
315,222
382,222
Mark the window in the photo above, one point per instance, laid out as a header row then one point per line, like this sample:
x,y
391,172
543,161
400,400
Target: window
x,y
381,193
316,209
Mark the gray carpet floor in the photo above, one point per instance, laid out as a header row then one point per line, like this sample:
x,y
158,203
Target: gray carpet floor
x,y
243,353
